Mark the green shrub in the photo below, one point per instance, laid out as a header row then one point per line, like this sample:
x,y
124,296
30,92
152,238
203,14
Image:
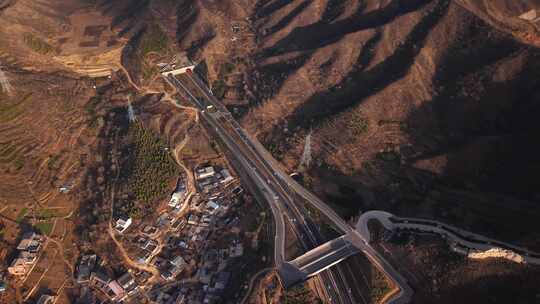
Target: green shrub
x,y
52,163
219,88
19,163
154,40
9,112
226,68
21,215
44,228
37,44
358,124
151,167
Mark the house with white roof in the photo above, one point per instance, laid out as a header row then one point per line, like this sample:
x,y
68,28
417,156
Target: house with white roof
x,y
122,224
205,172
212,206
176,199
226,176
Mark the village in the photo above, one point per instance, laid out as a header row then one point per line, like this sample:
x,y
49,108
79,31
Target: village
x,y
190,253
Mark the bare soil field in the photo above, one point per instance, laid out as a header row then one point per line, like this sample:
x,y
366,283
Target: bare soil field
x,y
45,139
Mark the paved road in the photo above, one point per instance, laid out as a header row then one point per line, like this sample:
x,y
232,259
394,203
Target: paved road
x,y
245,163
405,293
278,189
233,136
462,237
254,279
305,230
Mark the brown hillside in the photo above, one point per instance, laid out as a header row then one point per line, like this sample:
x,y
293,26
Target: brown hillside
x,y
424,108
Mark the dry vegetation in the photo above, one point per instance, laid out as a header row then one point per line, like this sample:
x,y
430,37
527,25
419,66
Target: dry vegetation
x,y
44,137
435,272
423,107
150,169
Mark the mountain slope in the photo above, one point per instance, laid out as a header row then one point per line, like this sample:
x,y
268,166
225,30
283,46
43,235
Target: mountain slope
x,y
400,97
424,108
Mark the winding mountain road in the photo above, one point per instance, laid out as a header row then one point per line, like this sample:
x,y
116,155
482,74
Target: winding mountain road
x,y
478,245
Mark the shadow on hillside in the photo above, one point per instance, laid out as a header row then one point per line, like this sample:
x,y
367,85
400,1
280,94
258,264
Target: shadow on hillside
x,y
360,84
270,78
264,9
187,13
483,120
321,34
289,18
516,287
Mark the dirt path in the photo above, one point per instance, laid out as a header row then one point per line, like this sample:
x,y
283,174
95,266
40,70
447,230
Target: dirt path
x,y
3,209
121,67
177,150
252,281
29,294
18,295
154,271
8,219
59,291
62,253
33,196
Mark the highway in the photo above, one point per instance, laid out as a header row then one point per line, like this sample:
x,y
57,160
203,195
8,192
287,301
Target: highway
x,y
282,193
247,168
306,231
234,138
313,262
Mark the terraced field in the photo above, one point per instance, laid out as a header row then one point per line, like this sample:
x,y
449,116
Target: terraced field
x,y
44,135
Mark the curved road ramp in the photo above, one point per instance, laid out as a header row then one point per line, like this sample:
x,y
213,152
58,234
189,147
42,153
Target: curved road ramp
x,y
472,245
256,165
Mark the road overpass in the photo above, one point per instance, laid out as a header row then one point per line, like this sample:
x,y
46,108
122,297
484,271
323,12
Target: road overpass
x,y
322,257
283,194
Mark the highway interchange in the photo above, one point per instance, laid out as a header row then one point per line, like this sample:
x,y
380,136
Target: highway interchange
x,y
284,196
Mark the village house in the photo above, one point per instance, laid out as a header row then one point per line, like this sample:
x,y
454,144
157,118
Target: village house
x,y
179,194
204,172
236,250
28,248
85,267
127,282
212,206
31,242
100,280
115,291
149,230
225,176
123,223
46,299
193,219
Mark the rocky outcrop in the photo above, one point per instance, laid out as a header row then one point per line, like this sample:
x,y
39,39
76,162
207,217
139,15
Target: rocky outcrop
x,y
496,253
